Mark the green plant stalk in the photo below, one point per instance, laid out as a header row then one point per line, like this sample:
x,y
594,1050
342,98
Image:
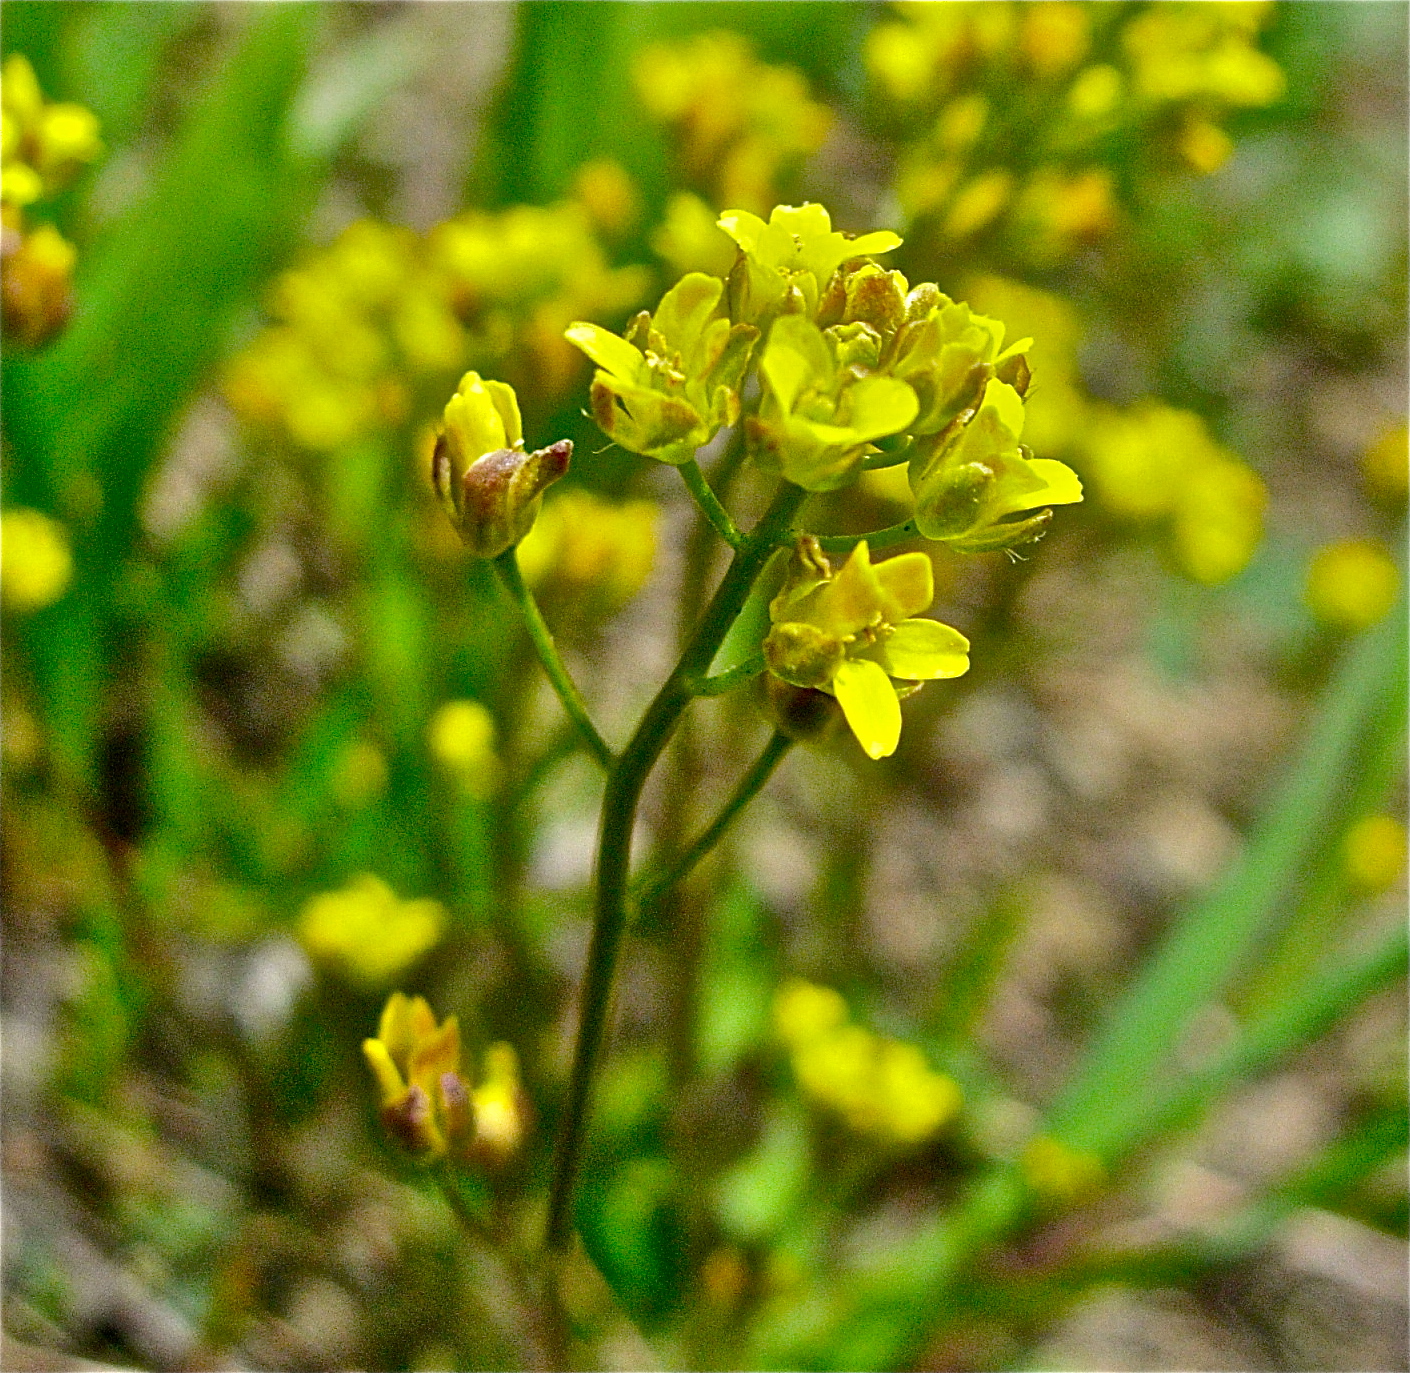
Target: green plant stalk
x,y
507,568
625,781
709,503
725,681
748,788
877,538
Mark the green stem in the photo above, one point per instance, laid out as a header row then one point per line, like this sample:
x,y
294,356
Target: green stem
x,y
619,806
732,677
709,503
507,566
878,538
749,787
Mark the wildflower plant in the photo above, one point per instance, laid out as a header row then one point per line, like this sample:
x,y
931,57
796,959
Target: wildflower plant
x,y
822,364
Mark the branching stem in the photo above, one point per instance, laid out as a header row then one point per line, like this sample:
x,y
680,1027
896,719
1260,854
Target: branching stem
x,y
750,785
709,503
625,781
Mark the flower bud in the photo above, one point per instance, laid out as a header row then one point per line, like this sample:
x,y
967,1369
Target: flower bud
x,y
802,713
487,484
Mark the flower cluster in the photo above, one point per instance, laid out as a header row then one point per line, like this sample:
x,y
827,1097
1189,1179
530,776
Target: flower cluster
x,y
369,327
740,125
368,932
1150,464
42,145
959,85
879,1085
854,360
427,1105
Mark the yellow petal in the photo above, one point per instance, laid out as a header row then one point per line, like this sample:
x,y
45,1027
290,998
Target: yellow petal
x,y
389,1080
909,582
925,651
614,355
436,1054
868,700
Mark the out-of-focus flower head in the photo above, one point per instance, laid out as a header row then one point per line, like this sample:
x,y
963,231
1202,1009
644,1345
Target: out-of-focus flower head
x,y
368,932
1157,465
42,145
880,1086
585,548
461,736
1351,584
1373,853
740,124
43,142
957,82
501,1108
488,485
36,565
370,327
667,387
1386,463
1058,1173
605,190
690,240
425,1104
852,632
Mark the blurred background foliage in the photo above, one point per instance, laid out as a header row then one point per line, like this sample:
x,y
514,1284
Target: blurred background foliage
x,y
1069,1037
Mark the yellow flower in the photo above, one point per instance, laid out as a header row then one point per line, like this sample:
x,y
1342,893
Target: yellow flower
x,y
970,482
820,411
585,545
850,633
489,487
35,563
501,1108
881,1086
1058,1172
609,195
36,285
461,735
787,263
1351,584
668,387
425,1103
1373,853
368,932
690,240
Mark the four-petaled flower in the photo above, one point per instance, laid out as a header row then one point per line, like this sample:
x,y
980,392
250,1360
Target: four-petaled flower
x,y
785,265
672,382
851,632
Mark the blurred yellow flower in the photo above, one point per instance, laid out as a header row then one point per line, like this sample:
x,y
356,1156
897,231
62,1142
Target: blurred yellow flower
x,y
1058,1172
367,932
741,124
1386,463
461,736
501,1108
881,1086
1373,853
689,239
1351,584
36,565
1155,463
424,1102
609,195
585,544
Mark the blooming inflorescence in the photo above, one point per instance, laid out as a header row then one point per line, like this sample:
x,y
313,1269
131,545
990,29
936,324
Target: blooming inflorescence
x,y
42,145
